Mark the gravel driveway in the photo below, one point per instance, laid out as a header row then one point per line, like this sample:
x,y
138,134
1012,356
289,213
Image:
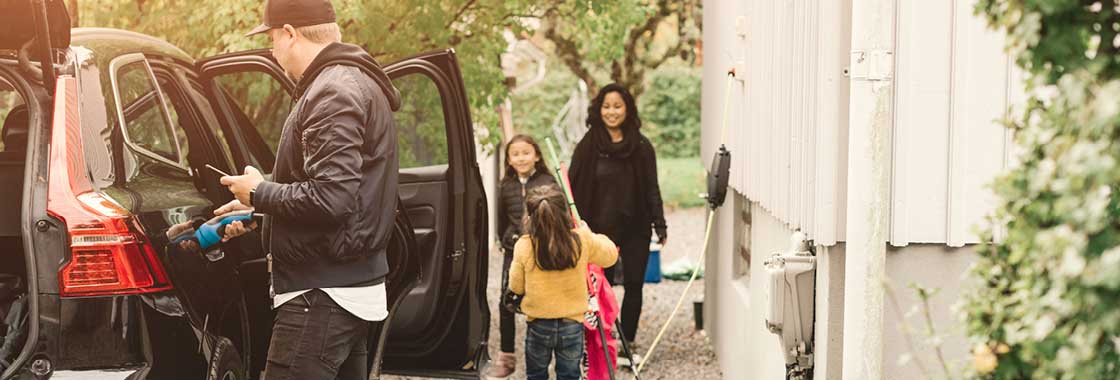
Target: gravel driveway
x,y
683,352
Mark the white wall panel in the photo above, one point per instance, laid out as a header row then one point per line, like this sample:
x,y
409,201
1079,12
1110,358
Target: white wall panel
x,y
980,97
788,111
922,98
953,82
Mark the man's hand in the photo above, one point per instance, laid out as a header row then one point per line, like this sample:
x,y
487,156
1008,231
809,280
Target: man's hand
x,y
234,205
241,185
237,228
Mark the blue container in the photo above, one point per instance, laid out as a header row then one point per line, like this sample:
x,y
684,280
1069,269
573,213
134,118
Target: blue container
x,y
653,268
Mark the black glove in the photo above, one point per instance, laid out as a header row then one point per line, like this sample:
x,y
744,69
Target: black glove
x,y
662,234
510,240
511,301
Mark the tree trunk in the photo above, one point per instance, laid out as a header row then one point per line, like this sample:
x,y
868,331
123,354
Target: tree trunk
x,y
73,8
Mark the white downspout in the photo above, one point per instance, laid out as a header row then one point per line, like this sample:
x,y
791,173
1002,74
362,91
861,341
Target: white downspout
x,y
869,167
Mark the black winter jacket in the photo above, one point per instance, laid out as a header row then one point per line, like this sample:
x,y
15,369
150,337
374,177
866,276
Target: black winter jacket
x,y
649,212
511,207
333,195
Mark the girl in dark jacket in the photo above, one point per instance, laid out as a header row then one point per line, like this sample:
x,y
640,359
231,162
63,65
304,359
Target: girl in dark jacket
x,y
525,170
614,183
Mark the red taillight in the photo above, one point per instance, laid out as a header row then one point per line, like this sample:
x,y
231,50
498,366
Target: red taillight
x,y
109,253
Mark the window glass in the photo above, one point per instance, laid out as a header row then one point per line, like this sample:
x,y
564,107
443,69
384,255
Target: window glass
x,y
421,132
176,106
263,101
210,118
144,119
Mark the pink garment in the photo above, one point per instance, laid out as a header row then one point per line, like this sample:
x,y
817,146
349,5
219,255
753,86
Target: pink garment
x,y
599,288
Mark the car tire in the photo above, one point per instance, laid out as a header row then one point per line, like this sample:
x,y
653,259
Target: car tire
x,y
225,363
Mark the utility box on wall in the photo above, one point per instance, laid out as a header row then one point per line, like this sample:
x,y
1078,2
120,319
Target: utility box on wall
x,y
792,277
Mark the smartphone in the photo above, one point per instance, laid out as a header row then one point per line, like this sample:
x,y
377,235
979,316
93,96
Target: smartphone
x,y
216,170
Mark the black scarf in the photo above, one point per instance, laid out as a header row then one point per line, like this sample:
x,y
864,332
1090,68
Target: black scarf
x,y
594,145
603,144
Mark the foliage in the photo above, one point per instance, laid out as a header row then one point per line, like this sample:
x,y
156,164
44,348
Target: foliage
x,y
621,40
597,41
1043,305
388,29
671,112
535,109
682,180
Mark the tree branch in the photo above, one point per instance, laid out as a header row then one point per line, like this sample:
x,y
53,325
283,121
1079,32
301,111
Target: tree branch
x,y
459,14
629,74
569,53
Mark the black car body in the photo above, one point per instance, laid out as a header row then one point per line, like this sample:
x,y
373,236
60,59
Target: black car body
x,y
99,206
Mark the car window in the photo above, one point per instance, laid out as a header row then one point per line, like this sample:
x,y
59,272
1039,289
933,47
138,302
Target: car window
x,y
176,106
210,118
421,130
146,118
262,100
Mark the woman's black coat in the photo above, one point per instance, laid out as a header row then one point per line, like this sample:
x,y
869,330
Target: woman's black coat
x,y
582,175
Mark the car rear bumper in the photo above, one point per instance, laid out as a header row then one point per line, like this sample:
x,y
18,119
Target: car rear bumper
x,y
102,374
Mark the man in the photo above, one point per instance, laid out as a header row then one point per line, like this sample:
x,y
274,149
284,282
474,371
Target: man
x,y
332,199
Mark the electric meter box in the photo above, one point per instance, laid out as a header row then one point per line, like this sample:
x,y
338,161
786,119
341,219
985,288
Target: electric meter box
x,y
791,280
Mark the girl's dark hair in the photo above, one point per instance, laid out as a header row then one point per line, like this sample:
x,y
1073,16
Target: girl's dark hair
x,y
594,113
549,226
511,173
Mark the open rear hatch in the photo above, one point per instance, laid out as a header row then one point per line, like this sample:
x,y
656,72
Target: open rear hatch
x,y
37,26
37,32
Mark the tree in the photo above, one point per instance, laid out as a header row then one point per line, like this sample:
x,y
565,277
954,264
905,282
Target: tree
x,y
620,37
1043,303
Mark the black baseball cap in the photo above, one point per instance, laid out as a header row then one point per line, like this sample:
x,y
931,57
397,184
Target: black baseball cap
x,y
296,13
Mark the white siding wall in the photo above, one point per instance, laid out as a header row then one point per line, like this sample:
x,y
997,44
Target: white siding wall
x,y
788,118
953,82
788,111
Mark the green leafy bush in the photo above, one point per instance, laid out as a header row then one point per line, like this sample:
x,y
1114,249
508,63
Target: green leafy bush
x,y
671,111
1044,299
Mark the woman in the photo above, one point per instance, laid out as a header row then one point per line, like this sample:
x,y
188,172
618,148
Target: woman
x,y
614,183
525,170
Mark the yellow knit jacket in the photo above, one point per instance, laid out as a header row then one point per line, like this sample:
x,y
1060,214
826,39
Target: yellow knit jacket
x,y
557,293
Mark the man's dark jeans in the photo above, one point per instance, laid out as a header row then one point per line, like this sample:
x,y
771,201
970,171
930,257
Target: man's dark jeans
x,y
545,337
314,338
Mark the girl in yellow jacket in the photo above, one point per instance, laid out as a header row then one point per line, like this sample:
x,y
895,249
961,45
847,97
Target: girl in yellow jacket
x,y
550,270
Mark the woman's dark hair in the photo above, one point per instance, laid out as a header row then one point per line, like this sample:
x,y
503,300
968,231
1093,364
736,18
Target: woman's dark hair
x,y
594,111
549,226
511,173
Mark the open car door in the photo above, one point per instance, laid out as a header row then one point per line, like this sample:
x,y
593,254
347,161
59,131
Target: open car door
x,y
438,316
442,324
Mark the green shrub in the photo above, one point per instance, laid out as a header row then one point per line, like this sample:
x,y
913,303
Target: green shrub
x,y
1043,303
670,110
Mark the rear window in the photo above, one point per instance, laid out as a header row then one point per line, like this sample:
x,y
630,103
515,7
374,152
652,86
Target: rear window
x,y
143,109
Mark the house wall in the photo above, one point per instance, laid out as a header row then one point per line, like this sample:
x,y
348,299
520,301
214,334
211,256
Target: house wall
x,y
787,108
746,234
953,81
933,266
788,131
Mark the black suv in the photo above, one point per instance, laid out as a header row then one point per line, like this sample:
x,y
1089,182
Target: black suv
x,y
103,182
